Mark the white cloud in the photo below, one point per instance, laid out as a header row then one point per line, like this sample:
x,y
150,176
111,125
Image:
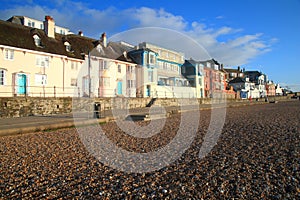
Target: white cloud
x,y
237,50
149,17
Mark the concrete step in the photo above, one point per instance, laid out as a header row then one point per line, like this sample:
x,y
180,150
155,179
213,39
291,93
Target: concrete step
x,y
145,117
155,116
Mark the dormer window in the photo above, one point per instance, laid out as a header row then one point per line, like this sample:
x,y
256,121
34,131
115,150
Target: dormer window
x,y
99,48
37,41
68,46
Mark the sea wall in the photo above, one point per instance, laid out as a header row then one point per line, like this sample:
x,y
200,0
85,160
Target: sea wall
x,y
30,106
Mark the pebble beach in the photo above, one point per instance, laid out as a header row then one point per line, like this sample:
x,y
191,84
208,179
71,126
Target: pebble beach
x,y
257,156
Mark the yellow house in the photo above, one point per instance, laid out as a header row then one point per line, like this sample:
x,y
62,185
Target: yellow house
x,y
36,62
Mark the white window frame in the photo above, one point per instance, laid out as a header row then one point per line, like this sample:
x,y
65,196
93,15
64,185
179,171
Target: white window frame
x,y
150,76
40,79
130,69
74,82
37,40
130,84
151,59
74,65
9,54
68,46
42,61
106,81
104,65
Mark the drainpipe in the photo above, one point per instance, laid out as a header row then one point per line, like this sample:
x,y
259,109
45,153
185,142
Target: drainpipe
x,y
89,72
64,61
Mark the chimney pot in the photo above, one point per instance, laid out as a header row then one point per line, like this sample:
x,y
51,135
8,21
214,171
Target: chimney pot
x,y
47,17
80,33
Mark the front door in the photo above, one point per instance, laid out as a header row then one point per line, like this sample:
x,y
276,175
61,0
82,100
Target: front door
x,y
119,87
21,81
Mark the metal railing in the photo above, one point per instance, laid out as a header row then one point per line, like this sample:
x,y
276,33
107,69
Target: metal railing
x,y
38,91
74,91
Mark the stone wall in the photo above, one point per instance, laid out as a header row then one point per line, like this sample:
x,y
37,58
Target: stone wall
x,y
30,106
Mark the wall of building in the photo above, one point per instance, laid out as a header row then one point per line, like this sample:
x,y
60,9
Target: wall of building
x,y
25,62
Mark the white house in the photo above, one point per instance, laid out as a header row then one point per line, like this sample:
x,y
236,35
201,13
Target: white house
x,y
110,71
247,89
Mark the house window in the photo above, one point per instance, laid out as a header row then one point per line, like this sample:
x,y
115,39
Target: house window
x,y
37,41
152,60
73,82
2,77
183,70
105,82
9,54
74,65
130,69
130,84
200,81
40,79
119,69
103,64
31,24
68,46
208,65
150,76
42,61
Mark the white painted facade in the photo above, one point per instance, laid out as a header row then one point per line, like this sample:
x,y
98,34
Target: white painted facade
x,y
108,78
34,23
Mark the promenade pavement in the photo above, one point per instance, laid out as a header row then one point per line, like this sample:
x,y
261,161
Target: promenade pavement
x,y
22,125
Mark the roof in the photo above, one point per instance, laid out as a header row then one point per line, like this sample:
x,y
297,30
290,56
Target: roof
x,y
232,70
253,72
237,80
191,62
16,35
16,19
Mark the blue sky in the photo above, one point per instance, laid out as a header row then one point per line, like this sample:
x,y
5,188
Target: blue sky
x,y
255,34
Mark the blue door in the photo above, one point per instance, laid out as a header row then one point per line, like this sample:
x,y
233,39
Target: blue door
x,y
119,87
21,84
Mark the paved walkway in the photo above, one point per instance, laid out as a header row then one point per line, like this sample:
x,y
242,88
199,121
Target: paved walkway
x,y
21,125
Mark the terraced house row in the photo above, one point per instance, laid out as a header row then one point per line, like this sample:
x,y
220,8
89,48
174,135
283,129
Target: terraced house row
x,y
38,58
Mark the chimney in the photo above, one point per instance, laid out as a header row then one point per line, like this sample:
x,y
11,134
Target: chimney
x,y
239,68
80,33
103,39
49,25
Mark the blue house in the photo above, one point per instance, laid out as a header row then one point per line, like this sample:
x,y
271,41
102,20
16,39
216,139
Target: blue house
x,y
146,79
